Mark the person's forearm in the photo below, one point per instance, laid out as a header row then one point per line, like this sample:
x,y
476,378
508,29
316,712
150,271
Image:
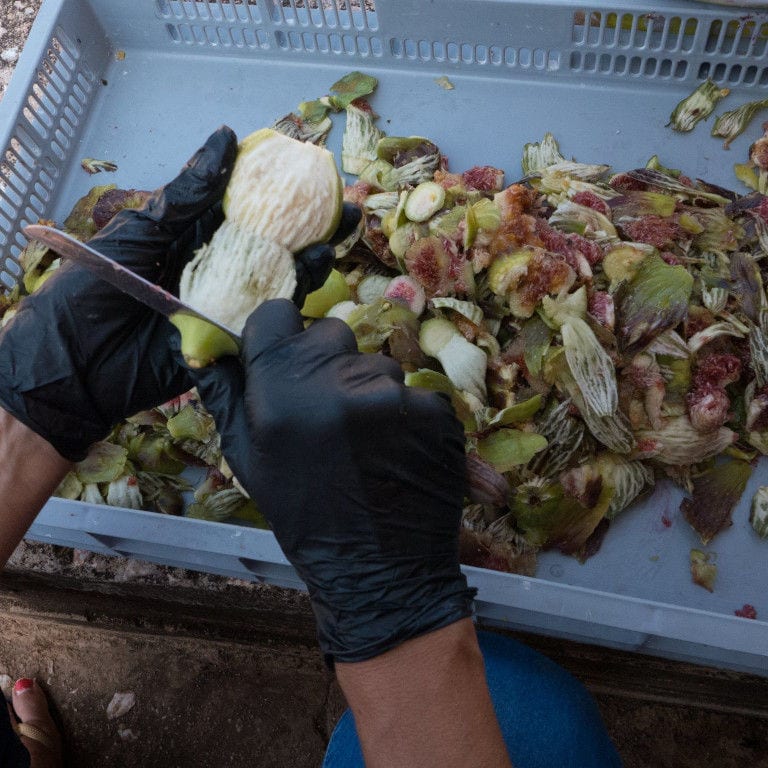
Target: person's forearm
x,y
30,470
426,703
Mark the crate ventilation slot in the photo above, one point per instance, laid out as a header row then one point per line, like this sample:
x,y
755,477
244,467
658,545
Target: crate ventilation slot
x,y
468,53
647,31
312,14
316,13
735,74
267,39
309,26
621,64
41,144
745,38
334,42
290,25
656,46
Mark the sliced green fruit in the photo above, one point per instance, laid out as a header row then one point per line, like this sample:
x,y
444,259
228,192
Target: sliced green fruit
x,y
201,342
333,291
424,201
283,195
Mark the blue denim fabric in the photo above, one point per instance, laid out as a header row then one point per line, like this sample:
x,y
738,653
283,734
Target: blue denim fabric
x,y
13,754
547,717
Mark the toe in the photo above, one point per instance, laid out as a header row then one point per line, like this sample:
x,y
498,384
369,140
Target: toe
x,y
29,701
31,707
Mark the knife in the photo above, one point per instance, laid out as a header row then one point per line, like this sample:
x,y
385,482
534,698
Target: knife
x,y
115,274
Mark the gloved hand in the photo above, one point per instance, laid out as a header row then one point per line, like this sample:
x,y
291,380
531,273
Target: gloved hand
x,y
360,477
80,355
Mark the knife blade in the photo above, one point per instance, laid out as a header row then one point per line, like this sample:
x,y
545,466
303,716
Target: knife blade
x,y
116,274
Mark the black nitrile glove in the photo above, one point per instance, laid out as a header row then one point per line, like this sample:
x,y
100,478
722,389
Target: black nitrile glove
x,y
360,477
80,355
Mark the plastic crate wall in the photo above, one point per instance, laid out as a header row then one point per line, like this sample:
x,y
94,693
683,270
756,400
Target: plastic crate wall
x,y
618,43
510,37
40,147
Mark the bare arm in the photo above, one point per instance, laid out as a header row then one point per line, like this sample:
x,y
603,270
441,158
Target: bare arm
x,y
426,703
30,470
368,510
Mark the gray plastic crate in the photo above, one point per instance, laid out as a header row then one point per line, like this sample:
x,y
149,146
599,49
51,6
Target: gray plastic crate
x,y
143,82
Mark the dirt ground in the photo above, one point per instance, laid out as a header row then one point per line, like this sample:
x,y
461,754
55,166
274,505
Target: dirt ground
x,y
226,673
16,19
223,672
216,676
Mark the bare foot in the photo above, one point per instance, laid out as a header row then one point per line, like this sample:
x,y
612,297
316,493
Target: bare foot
x,y
31,708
